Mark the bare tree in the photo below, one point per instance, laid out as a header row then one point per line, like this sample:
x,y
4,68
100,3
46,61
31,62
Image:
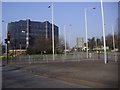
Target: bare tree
x,y
40,44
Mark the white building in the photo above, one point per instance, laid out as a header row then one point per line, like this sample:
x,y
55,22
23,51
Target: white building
x,y
79,42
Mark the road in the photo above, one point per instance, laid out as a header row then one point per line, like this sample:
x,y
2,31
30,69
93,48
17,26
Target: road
x,y
83,73
17,79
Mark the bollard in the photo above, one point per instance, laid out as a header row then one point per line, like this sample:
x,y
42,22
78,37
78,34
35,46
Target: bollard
x,y
115,57
90,55
29,59
47,58
78,56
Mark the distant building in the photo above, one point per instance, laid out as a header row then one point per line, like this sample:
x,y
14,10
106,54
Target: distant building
x,y
36,29
79,43
101,48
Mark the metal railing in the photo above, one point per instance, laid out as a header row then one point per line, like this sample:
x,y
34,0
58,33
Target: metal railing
x,y
47,58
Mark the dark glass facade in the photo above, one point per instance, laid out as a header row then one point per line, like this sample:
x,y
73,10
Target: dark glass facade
x,y
35,29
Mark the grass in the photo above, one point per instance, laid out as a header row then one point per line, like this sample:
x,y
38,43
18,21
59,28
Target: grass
x,y
9,58
49,56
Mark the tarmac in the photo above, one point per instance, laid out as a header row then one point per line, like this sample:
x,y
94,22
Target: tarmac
x,y
91,73
15,78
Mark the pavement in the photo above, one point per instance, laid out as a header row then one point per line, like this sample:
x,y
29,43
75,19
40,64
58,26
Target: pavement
x,y
0,74
88,73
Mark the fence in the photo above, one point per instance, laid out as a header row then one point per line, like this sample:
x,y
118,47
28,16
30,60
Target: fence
x,y
47,58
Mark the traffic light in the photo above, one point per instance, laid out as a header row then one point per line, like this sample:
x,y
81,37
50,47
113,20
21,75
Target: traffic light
x,y
8,36
6,41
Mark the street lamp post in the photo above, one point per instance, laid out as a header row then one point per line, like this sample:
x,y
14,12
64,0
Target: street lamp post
x,y
6,33
86,34
96,42
53,32
27,35
7,39
103,29
114,44
86,30
7,42
53,45
65,38
69,40
46,31
69,37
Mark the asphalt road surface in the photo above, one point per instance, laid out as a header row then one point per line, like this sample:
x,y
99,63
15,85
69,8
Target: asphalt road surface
x,y
17,79
79,74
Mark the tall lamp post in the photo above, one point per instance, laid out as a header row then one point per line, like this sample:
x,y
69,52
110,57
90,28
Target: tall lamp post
x,y
27,35
96,42
114,44
6,40
69,40
69,37
65,38
6,32
53,45
86,30
65,42
113,39
103,29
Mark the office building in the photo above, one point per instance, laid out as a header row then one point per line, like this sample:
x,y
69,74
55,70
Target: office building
x,y
24,32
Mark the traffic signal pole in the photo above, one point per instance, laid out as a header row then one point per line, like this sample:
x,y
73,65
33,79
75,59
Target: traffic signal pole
x,y
8,41
7,53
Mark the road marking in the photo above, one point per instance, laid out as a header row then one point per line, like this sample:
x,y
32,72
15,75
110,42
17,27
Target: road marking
x,y
85,82
78,81
36,75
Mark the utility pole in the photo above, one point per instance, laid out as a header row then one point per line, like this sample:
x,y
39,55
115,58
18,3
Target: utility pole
x,y
27,35
86,34
114,44
46,31
6,40
53,43
65,38
103,29
96,42
7,52
86,29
